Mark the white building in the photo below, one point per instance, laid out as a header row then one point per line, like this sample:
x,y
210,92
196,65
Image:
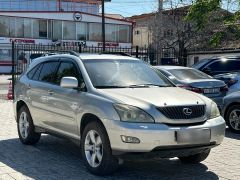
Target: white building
x,y
27,26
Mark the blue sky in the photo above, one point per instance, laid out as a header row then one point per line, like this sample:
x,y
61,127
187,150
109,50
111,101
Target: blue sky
x,y
131,7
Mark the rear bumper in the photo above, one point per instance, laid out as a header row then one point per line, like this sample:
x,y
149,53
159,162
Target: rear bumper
x,y
162,136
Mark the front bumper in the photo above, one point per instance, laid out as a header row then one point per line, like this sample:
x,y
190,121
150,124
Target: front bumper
x,y
155,136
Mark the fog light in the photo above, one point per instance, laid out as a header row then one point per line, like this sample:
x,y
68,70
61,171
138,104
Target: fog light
x,y
130,139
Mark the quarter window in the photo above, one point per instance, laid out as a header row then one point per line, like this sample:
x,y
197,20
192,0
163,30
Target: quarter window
x,y
47,72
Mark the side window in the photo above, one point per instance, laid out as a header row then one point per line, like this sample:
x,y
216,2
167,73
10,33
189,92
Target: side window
x,y
233,65
68,69
31,73
37,73
218,66
47,72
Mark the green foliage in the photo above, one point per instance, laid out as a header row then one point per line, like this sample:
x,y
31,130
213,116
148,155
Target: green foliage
x,y
202,15
216,39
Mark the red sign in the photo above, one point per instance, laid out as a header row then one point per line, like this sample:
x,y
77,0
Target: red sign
x,y
25,41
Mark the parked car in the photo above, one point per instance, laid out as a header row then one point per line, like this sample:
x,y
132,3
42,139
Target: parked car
x,y
196,81
231,111
219,65
231,79
116,107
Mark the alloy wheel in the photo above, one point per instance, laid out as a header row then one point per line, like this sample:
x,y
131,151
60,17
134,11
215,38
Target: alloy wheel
x,y
234,119
23,125
93,148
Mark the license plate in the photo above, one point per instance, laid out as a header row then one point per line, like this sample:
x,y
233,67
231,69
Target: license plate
x,y
211,91
196,136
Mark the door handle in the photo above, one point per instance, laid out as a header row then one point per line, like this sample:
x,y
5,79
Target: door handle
x,y
50,92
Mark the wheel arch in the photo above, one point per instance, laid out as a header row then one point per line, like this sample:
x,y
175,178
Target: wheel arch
x,y
228,107
88,118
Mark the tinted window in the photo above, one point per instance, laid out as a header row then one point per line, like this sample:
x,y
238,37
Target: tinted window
x,y
123,73
37,73
233,66
185,74
67,69
32,72
47,72
201,63
225,66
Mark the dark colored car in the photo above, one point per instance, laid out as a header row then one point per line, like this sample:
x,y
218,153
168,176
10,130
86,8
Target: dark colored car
x,y
196,81
231,111
219,65
231,79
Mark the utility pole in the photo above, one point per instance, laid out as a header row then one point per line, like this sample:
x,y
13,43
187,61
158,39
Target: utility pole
x,y
103,26
160,29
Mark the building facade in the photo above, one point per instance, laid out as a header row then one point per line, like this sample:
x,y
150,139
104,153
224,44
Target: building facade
x,y
58,27
87,6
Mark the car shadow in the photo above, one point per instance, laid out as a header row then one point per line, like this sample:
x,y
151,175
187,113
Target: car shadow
x,y
54,158
231,135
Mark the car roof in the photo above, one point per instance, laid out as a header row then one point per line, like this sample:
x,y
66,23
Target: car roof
x,y
171,67
87,56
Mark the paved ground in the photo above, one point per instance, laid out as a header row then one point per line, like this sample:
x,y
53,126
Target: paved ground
x,y
4,84
54,158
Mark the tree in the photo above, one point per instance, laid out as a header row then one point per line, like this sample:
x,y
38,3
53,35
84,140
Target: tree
x,y
202,12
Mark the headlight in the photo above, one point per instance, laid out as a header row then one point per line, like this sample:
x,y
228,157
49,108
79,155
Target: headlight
x,y
214,111
132,114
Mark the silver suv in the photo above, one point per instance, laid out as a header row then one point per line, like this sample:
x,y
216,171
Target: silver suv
x,y
117,108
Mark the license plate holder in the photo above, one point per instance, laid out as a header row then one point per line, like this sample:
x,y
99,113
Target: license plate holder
x,y
211,91
196,136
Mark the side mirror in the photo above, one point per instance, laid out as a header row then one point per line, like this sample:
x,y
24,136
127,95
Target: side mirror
x,y
69,82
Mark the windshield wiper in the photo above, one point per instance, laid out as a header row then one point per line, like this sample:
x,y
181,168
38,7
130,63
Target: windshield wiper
x,y
109,87
146,85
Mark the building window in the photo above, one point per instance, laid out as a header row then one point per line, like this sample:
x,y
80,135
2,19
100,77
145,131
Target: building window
x,y
4,26
124,34
57,30
95,32
82,32
69,30
111,32
137,32
27,28
12,27
19,27
40,28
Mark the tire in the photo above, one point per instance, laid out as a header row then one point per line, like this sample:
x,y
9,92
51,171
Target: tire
x,y
104,165
195,159
229,117
26,128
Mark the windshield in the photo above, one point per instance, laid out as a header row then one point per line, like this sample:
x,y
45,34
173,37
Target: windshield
x,y
123,73
201,63
188,74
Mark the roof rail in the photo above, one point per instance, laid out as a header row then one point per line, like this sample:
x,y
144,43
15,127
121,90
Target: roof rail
x,y
74,53
117,53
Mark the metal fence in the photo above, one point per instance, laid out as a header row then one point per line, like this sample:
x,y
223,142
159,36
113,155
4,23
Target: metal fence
x,y
24,54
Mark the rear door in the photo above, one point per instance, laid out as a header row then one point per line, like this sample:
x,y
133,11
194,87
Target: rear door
x,y
41,83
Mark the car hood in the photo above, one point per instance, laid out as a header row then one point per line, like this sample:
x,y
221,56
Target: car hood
x,y
157,96
205,83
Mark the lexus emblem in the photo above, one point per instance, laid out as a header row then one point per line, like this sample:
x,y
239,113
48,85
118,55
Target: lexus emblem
x,y
187,111
77,16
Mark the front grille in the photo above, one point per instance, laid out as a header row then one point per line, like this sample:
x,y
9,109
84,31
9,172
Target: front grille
x,y
177,112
